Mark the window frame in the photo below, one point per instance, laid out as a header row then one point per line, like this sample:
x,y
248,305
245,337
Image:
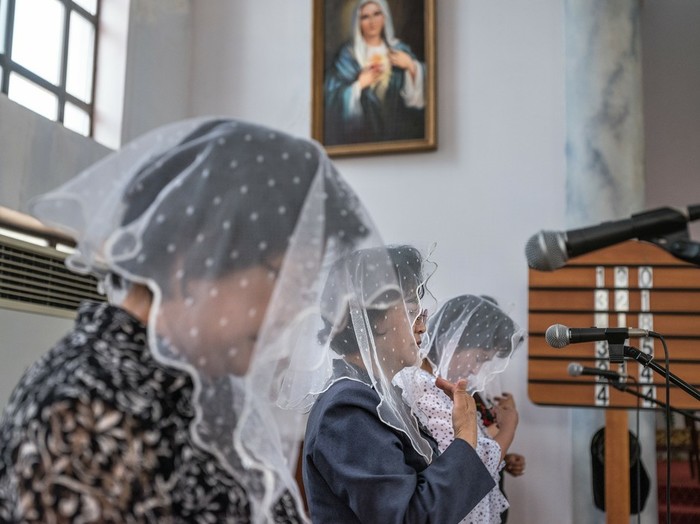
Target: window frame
x,y
59,91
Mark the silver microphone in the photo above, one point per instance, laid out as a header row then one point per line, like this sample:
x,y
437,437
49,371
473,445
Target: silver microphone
x,y
576,370
559,336
550,250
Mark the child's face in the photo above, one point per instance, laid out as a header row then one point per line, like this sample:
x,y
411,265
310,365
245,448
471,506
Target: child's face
x,y
468,362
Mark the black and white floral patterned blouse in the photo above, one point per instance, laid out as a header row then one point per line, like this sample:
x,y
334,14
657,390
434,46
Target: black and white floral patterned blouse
x,y
98,431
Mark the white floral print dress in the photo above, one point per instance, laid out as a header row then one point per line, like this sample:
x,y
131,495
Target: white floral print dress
x,y
433,408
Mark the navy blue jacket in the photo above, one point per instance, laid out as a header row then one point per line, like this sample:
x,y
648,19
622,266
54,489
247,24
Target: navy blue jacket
x,y
358,469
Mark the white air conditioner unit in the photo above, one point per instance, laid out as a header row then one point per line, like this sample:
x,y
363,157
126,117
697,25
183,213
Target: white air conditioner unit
x,y
35,279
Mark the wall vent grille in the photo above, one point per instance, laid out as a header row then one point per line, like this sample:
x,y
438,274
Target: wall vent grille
x,y
35,279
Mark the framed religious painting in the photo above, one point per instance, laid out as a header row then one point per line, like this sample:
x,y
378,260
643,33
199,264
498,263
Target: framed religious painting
x,y
373,83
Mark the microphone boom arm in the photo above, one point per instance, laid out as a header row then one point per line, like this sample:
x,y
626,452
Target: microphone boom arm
x,y
647,361
620,386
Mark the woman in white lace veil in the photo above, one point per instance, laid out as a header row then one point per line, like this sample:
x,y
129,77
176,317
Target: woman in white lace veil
x,y
217,236
364,290
366,458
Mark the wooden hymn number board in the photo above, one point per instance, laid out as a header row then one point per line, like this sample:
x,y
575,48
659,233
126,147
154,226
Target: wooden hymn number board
x,y
633,284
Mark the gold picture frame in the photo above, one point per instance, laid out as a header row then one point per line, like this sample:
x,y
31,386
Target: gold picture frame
x,y
385,101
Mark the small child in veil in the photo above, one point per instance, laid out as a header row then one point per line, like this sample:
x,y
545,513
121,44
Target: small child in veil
x,y
469,337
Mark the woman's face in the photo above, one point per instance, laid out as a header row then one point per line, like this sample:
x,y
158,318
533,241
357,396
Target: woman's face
x,y
219,321
371,21
419,324
395,342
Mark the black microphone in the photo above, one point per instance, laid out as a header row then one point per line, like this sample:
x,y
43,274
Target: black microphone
x,y
576,370
559,336
549,250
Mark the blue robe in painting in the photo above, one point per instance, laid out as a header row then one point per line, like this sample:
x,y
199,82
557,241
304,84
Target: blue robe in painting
x,y
385,120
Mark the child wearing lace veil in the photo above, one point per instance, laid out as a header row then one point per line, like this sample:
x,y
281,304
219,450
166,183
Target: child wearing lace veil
x,y
212,238
468,337
365,457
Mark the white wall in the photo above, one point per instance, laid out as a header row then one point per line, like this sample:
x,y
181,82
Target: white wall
x,y
36,155
157,82
670,47
496,178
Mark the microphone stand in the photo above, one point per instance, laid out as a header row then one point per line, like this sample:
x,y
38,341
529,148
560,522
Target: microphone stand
x,y
620,386
647,361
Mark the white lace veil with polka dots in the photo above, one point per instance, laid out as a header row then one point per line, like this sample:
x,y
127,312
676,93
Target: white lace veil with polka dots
x,y
470,337
369,304
234,228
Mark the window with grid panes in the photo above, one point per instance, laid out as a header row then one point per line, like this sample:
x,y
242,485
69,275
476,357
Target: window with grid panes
x,y
47,58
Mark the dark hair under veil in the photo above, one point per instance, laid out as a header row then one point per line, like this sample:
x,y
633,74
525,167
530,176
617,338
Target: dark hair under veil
x,y
253,240
408,265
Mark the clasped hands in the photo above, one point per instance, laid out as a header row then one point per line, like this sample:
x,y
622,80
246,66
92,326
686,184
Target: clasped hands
x,y
464,418
464,413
